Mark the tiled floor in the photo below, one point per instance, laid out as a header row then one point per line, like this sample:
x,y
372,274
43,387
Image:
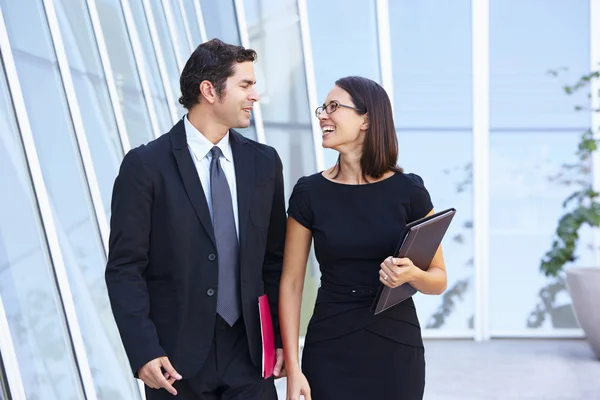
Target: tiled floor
x,y
508,369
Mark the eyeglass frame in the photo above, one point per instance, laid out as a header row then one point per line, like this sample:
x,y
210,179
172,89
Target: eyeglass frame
x,y
323,107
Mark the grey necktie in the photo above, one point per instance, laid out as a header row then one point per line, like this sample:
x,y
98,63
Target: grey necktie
x,y
228,293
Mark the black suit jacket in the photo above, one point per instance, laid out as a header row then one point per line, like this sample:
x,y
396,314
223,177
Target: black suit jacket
x,y
162,269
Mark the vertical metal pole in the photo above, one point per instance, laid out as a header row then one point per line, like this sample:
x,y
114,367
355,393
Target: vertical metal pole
x,y
311,83
138,55
108,73
481,133
385,48
164,74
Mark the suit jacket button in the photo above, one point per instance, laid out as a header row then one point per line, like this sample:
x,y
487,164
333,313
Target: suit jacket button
x,y
210,292
212,257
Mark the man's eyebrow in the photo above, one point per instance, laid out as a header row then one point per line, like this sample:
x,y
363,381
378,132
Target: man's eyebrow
x,y
248,81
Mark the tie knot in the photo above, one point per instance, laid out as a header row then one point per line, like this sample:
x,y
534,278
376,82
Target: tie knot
x,y
216,152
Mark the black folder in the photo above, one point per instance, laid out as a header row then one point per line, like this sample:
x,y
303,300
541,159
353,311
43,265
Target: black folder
x,y
419,242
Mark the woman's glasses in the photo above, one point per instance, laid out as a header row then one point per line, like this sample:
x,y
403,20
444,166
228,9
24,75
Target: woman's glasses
x,y
332,107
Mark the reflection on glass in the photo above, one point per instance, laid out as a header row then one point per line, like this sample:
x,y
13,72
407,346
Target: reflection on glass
x,y
431,61
92,94
352,51
525,207
221,21
449,182
274,31
189,12
541,38
151,65
180,39
276,38
125,72
27,286
168,52
69,199
534,132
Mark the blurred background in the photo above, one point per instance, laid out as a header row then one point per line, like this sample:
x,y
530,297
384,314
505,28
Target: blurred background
x,y
485,112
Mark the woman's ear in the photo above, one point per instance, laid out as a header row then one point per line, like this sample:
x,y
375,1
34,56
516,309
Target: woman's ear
x,y
365,122
207,90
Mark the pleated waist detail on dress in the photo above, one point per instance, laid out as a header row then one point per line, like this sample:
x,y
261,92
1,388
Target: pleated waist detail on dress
x,y
340,310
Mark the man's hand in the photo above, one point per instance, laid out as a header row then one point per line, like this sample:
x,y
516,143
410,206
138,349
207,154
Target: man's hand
x,y
153,376
279,369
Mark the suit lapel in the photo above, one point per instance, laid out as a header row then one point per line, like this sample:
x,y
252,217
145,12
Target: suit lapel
x,y
189,175
243,158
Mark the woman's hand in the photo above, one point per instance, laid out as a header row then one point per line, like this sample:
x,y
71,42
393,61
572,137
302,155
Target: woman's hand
x,y
297,385
398,271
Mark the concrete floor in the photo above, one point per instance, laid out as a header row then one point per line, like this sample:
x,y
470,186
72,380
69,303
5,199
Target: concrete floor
x,y
508,369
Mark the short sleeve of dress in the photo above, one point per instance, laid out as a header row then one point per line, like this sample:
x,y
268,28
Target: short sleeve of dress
x,y
420,201
299,207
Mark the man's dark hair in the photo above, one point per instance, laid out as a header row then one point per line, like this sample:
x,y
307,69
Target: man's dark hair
x,y
212,61
380,147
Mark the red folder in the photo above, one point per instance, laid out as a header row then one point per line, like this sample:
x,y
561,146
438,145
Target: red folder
x,y
268,337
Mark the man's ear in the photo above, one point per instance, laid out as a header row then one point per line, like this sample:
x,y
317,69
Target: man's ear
x,y
208,91
365,122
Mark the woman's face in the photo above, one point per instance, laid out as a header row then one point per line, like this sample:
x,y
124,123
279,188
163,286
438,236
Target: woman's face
x,y
343,127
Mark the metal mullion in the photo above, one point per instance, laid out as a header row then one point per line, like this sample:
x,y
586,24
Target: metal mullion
x,y
245,40
77,120
9,358
186,26
173,33
480,17
138,55
164,74
385,48
45,210
108,74
311,84
200,17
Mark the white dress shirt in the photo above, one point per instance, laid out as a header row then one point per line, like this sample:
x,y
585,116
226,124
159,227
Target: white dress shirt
x,y
200,147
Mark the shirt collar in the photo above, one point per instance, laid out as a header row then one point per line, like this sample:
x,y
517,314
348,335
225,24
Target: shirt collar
x,y
201,145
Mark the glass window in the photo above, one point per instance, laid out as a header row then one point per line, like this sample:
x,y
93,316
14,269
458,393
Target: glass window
x,y
286,114
189,12
534,131
125,72
27,286
274,31
352,49
160,21
180,39
69,196
449,182
150,62
92,94
431,61
221,21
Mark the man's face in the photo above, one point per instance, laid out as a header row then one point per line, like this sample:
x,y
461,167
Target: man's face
x,y
239,96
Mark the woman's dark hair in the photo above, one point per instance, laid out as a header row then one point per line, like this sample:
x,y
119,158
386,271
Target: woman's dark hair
x,y
212,61
380,147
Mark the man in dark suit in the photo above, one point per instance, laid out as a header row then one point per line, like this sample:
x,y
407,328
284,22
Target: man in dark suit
x,y
197,235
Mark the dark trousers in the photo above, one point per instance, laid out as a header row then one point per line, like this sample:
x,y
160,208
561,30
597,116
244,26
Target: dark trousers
x,y
227,374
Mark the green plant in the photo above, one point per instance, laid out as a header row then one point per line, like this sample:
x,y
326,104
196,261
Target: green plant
x,y
582,205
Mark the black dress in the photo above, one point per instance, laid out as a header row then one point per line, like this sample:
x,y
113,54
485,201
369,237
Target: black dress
x,y
349,353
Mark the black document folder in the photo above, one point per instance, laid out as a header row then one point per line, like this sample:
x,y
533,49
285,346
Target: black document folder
x,y
419,242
